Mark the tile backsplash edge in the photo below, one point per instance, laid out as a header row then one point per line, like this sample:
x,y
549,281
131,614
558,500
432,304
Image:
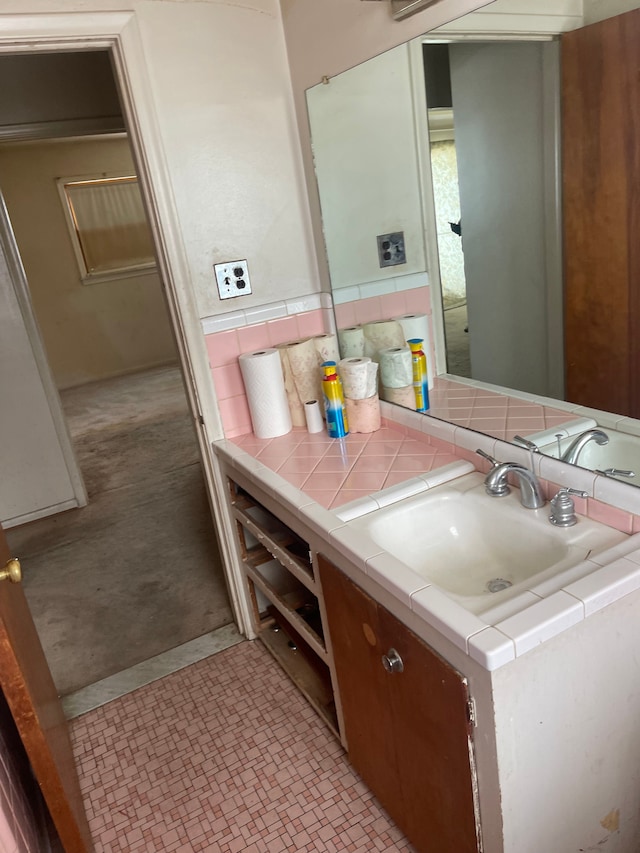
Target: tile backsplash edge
x,y
621,510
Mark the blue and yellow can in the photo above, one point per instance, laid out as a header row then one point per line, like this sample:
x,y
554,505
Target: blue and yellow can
x,y
420,375
334,408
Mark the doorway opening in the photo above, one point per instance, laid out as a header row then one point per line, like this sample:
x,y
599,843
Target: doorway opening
x,y
137,571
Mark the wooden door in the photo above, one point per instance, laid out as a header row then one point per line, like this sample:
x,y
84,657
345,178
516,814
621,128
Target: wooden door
x,y
430,709
601,211
408,733
368,728
32,698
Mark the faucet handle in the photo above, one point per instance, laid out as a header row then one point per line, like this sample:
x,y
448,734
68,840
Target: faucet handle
x,y
616,472
563,510
530,445
494,462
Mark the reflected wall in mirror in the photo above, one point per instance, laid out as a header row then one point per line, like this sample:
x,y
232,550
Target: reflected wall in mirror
x,y
458,146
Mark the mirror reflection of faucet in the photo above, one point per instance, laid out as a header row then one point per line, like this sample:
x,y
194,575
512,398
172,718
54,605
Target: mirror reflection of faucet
x,y
572,452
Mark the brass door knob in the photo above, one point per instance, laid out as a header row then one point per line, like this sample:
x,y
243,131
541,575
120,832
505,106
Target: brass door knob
x,y
12,571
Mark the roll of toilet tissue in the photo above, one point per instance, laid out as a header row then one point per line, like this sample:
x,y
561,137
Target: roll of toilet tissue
x,y
381,335
359,377
363,415
351,342
417,326
264,384
327,347
313,416
396,367
296,407
401,396
305,369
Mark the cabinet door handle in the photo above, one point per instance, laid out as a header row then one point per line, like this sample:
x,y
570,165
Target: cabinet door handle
x,y
392,662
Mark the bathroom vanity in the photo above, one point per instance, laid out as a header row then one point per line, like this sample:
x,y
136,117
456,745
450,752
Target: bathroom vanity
x,y
505,725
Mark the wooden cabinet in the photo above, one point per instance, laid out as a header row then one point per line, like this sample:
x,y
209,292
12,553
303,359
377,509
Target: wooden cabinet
x,y
408,732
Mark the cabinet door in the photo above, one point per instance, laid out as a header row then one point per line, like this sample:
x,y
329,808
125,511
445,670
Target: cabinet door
x,y
353,624
429,704
408,733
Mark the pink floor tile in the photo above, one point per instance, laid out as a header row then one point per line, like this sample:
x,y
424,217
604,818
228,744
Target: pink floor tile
x,y
223,756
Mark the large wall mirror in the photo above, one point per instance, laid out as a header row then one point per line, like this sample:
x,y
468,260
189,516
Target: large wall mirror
x,y
458,146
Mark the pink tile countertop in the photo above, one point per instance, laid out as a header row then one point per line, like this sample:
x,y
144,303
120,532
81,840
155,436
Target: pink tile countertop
x,y
335,472
328,482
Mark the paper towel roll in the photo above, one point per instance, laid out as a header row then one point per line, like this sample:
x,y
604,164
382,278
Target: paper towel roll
x,y
264,384
313,415
305,369
402,396
363,415
296,407
327,348
351,342
396,367
417,326
359,377
381,335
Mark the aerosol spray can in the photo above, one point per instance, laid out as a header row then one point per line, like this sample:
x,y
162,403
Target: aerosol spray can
x,y
334,408
420,377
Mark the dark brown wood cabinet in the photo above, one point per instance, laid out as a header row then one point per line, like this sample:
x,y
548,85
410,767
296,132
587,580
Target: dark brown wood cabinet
x,y
408,731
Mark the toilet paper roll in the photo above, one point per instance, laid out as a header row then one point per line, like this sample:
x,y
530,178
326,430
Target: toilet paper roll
x,y
264,384
313,416
382,335
296,408
396,367
351,342
327,347
359,377
363,415
401,396
305,369
417,326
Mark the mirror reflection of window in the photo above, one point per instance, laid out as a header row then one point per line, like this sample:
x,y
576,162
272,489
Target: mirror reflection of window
x,y
109,227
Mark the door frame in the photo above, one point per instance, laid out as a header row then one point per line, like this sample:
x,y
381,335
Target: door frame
x,y
118,32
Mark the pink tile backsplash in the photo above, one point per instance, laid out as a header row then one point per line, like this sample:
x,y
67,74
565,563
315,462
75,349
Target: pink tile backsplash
x,y
370,310
283,330
225,347
394,304
253,338
18,827
311,323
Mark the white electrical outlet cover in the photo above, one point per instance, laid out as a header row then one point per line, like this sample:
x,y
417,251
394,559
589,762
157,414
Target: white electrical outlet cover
x,y
233,279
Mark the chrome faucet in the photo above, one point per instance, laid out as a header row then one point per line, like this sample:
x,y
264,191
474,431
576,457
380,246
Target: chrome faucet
x,y
572,452
496,484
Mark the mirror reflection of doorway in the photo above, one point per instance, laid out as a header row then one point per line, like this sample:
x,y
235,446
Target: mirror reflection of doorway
x,y
446,196
137,571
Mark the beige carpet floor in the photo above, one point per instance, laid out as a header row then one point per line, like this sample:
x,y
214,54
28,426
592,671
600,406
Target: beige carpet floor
x,y
137,571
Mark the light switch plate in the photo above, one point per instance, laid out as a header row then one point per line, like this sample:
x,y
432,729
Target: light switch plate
x,y
233,279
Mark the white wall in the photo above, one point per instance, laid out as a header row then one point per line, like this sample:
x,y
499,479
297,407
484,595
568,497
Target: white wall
x,y
219,82
598,10
90,331
223,98
366,160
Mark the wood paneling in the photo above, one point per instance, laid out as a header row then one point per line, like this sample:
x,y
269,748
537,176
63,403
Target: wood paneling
x,y
601,170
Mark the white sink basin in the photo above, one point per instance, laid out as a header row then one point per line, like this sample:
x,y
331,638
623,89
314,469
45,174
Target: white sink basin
x,y
622,452
475,547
